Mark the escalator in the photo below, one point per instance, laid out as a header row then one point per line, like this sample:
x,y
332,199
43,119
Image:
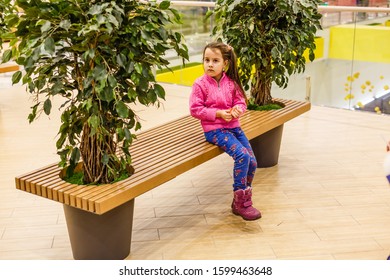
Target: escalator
x,y
379,104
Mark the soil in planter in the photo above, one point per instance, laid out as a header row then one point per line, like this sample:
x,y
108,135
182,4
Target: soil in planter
x,y
264,107
77,178
273,106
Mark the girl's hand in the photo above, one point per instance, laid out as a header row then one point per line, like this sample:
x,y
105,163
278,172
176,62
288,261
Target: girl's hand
x,y
236,112
224,114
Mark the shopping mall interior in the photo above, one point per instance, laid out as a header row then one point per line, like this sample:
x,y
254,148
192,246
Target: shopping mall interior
x,y
327,198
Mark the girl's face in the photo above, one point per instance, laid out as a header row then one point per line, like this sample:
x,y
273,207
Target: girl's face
x,y
213,63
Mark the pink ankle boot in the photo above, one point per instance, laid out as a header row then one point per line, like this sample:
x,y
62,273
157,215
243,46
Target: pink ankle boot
x,y
242,205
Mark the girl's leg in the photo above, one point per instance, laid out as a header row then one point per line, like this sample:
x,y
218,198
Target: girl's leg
x,y
240,135
242,201
243,162
235,143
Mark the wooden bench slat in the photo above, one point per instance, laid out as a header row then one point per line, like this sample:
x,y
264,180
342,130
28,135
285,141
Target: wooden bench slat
x,y
155,140
105,203
100,192
167,128
35,185
158,144
159,154
162,153
20,180
149,169
8,67
26,181
61,189
49,181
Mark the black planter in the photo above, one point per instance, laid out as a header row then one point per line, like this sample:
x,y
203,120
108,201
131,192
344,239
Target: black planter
x,y
100,237
266,147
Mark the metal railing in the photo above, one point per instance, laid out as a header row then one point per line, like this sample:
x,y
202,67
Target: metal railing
x,y
332,15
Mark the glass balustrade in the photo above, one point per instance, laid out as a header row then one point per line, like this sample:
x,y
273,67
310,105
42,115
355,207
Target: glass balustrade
x,y
352,65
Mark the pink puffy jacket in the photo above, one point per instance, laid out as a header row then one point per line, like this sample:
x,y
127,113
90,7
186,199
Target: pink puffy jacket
x,y
208,96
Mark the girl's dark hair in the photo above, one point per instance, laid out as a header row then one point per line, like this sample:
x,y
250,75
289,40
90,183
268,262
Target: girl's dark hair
x,y
229,55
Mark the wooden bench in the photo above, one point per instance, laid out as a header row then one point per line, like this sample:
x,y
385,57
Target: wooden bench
x,y
8,67
159,155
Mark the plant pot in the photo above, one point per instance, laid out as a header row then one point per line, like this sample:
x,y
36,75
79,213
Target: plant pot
x,y
266,147
100,237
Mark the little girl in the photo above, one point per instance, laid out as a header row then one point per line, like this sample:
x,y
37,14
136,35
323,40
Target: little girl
x,y
218,100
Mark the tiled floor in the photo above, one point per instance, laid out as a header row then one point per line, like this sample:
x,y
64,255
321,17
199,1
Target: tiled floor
x,y
326,199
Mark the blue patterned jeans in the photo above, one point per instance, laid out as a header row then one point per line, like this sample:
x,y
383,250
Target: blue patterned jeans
x,y
234,142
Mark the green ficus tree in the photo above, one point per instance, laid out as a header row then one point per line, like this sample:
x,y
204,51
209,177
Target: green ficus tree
x,y
269,38
98,57
5,8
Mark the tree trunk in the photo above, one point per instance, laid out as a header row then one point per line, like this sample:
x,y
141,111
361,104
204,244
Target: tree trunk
x,y
92,149
261,90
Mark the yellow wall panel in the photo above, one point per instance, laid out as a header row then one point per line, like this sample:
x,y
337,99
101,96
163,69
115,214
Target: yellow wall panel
x,y
365,43
184,76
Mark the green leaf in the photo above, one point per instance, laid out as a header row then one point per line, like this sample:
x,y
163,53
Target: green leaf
x,y
99,73
16,77
109,28
88,104
60,142
7,55
95,10
105,158
164,5
65,24
33,114
127,134
122,109
251,27
75,156
121,60
49,45
112,81
311,56
106,94
138,68
132,94
90,53
94,121
46,25
47,106
159,90
113,20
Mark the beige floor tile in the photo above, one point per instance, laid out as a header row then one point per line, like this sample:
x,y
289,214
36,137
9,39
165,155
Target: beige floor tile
x,y
26,243
363,255
323,212
200,209
171,201
384,243
312,248
61,241
22,232
326,199
145,235
170,222
23,222
38,254
143,212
